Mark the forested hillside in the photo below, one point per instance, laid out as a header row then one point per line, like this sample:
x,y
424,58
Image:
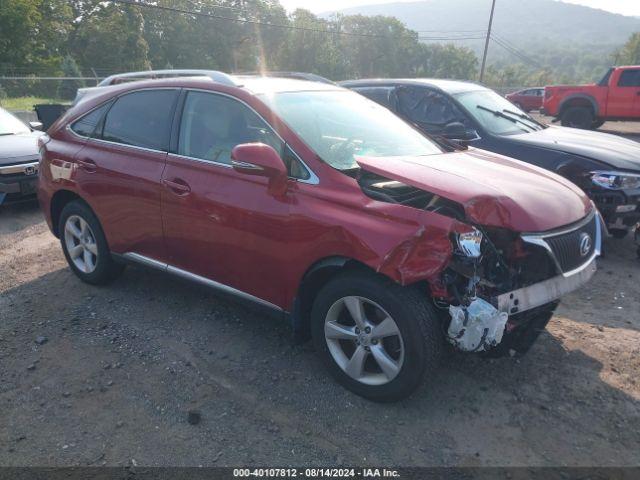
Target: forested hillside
x,y
575,42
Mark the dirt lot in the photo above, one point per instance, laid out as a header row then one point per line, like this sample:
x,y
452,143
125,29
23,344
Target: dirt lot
x,y
107,376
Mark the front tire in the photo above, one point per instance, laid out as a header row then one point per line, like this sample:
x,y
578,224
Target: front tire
x,y
619,233
376,338
577,117
85,246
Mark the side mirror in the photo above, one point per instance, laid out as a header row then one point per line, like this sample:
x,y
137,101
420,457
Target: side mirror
x,y
36,126
263,161
455,131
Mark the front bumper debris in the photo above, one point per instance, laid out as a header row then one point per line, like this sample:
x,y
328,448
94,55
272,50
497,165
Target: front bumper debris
x,y
477,327
480,326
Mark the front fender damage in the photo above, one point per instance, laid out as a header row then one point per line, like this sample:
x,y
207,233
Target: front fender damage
x,y
475,324
422,256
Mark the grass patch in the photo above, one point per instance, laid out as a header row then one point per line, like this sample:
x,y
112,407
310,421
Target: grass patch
x,y
26,103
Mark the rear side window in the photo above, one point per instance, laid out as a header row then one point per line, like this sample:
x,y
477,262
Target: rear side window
x,y
629,78
86,126
142,119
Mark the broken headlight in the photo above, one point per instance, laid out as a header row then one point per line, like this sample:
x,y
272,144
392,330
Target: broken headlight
x,y
469,243
615,180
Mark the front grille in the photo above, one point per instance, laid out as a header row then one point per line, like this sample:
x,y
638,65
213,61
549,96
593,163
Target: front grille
x,y
569,247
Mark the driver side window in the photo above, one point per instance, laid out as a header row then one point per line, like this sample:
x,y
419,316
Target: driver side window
x,y
428,108
212,125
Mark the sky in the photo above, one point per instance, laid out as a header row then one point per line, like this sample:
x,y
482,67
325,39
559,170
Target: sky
x,y
624,7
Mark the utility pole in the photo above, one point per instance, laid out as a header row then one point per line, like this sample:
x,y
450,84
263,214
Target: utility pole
x,y
486,43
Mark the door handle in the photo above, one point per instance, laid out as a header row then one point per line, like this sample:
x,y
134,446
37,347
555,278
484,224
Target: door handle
x,y
87,164
177,186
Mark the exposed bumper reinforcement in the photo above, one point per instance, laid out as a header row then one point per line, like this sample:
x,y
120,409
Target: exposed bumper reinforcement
x,y
544,292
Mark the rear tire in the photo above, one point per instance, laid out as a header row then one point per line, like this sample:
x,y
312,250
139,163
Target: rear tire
x,y
597,123
85,246
399,341
577,117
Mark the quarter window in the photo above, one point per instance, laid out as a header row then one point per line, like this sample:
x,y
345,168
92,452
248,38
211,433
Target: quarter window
x,y
86,125
142,119
212,125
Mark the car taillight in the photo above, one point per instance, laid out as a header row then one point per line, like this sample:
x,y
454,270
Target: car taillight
x,y
42,142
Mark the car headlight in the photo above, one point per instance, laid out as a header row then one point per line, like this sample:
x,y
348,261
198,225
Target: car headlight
x,y
469,243
615,180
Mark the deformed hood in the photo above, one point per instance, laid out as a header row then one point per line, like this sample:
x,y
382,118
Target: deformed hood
x,y
616,151
17,148
494,190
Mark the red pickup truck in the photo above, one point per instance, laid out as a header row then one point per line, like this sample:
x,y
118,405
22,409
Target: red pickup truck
x,y
615,97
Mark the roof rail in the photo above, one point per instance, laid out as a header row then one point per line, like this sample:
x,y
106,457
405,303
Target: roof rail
x,y
311,77
218,77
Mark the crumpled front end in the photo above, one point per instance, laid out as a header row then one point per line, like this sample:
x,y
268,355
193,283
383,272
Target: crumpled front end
x,y
495,285
502,294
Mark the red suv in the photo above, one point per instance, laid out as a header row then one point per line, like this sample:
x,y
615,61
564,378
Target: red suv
x,y
319,204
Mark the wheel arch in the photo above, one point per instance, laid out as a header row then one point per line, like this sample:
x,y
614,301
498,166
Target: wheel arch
x,y
58,201
316,277
579,100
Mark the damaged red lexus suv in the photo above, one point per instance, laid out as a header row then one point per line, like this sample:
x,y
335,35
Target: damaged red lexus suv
x,y
321,205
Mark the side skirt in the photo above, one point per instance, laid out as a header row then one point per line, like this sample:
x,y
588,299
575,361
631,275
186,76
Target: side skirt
x,y
138,259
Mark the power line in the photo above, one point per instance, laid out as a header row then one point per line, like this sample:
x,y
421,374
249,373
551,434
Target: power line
x,y
320,21
451,38
516,52
461,36
249,21
515,49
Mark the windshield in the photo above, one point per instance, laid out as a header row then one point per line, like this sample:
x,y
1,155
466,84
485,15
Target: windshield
x,y
342,125
497,114
10,125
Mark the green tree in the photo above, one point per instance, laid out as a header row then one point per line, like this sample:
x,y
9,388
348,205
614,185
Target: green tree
x,y
629,54
68,88
110,37
235,42
32,34
307,49
445,61
18,21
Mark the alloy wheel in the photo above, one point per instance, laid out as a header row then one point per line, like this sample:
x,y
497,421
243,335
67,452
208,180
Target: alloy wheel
x,y
364,340
81,244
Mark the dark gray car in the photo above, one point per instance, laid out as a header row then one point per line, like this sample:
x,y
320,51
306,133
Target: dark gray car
x,y
606,167
18,159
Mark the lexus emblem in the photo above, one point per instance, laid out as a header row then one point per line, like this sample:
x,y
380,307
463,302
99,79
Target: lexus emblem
x,y
30,170
585,244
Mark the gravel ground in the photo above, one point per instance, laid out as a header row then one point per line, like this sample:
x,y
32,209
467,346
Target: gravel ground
x,y
154,371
